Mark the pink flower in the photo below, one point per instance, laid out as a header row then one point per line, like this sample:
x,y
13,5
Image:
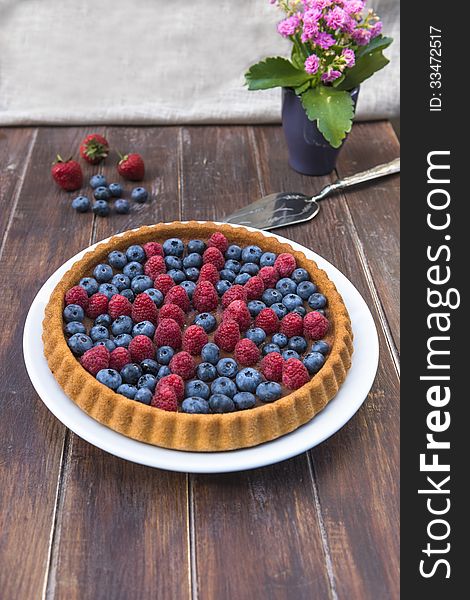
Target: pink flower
x,y
312,16
336,18
349,57
353,7
361,36
288,26
375,30
330,76
310,30
312,63
324,40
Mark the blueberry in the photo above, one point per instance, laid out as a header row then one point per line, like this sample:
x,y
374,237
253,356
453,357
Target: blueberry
x,y
256,335
165,354
129,391
313,362
121,281
233,265
248,379
122,340
115,189
122,324
269,391
222,286
90,285
292,301
321,346
74,327
103,319
101,208
251,254
173,262
300,275
192,273
241,279
147,381
144,395
286,286
271,296
140,283
156,296
98,181
255,307
233,252
224,385
250,268
110,378
198,388
227,367
220,403
81,204
267,259
280,310
173,247
189,287
79,343
280,339
206,372
317,301
117,259
102,193
135,253
228,275
195,406
177,276
144,328
108,289
103,273
300,310
73,312
196,246
140,195
210,353
192,260
206,321
290,354
298,343
99,332
133,269
149,366
267,348
305,289
244,400
109,344
163,371
122,206
131,373
129,294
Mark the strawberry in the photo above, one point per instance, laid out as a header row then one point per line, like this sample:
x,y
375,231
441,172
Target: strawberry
x,y
131,166
67,174
94,148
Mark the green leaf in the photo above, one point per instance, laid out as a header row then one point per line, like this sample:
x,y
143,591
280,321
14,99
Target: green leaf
x,y
333,111
274,72
364,68
379,43
302,88
297,58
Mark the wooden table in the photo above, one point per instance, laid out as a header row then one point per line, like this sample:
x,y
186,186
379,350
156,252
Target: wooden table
x,y
78,523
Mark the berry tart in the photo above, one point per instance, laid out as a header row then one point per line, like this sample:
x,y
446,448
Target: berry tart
x,y
198,336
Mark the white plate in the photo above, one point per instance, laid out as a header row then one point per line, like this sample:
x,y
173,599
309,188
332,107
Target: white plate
x,y
338,412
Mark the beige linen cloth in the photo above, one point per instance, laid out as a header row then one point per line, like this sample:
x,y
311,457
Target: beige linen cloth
x,y
153,61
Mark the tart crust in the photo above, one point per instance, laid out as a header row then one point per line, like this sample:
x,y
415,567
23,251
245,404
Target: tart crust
x,y
196,432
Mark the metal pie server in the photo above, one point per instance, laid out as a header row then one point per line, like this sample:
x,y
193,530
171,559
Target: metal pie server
x,y
288,208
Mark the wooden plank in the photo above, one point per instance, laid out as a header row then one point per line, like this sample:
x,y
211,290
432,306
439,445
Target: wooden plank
x,y
255,534
375,212
357,470
122,528
39,240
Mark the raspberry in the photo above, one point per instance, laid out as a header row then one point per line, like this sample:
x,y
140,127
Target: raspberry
x,y
271,366
165,399
153,249
77,295
205,297
238,311
168,333
155,266
227,335
97,305
171,311
285,264
175,382
95,359
270,276
194,338
209,272
118,306
219,241
268,321
254,288
246,353
144,309
183,364
177,295
164,283
294,374
236,292
315,325
119,358
141,347
214,256
292,324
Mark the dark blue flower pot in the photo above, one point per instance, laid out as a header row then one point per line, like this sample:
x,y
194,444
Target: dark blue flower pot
x,y
309,152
